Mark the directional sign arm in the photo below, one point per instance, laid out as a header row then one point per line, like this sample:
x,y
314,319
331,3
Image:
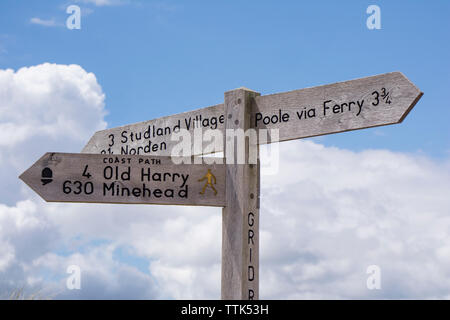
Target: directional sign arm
x,y
343,106
356,104
153,137
96,178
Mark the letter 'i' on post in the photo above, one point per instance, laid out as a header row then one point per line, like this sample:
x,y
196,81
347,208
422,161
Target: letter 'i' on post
x,y
240,216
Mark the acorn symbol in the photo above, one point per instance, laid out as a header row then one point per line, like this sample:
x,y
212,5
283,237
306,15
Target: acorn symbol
x,y
47,176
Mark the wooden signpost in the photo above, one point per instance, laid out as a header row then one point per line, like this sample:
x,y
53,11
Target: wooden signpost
x,y
118,165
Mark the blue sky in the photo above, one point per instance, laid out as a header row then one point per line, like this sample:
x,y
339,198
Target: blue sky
x,y
156,58
374,196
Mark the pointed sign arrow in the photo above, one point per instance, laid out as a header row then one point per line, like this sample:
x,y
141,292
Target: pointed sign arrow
x,y
343,106
356,104
72,177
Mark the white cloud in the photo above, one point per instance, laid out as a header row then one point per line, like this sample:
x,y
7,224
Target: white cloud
x,y
103,3
45,107
327,215
180,246
343,211
101,275
43,22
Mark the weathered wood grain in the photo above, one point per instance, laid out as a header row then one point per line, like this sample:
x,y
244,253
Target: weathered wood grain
x,y
106,178
153,137
336,107
326,109
240,216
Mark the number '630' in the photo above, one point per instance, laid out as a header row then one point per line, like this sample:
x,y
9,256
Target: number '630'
x,y
78,187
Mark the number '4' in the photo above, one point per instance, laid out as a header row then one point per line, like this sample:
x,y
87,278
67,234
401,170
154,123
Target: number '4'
x,y
86,173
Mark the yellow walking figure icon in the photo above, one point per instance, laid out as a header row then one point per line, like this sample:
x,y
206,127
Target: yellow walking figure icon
x,y
209,182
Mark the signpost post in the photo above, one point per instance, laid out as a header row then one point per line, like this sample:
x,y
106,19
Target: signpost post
x,y
240,215
131,164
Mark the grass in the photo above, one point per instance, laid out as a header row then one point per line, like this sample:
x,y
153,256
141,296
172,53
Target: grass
x,y
20,294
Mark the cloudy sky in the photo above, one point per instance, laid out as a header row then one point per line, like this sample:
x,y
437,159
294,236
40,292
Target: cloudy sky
x,y
379,196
